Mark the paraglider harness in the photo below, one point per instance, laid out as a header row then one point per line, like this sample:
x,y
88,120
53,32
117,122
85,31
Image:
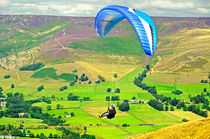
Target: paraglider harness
x,y
110,114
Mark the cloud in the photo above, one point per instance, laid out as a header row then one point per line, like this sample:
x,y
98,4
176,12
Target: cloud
x,y
73,9
4,3
26,6
91,7
167,4
204,10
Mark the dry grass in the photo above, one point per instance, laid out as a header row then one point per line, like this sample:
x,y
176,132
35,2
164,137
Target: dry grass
x,y
92,70
191,130
185,114
189,52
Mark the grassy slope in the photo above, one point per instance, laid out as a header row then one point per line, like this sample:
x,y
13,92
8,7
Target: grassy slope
x,y
194,129
30,37
189,51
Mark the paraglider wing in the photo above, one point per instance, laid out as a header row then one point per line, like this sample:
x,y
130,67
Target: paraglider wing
x,y
109,16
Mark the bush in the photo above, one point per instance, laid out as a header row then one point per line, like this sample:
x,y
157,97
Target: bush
x,y
63,88
124,106
102,79
171,108
72,114
71,97
166,108
125,125
97,82
148,67
108,90
107,98
40,88
49,107
6,76
204,90
12,86
185,120
117,90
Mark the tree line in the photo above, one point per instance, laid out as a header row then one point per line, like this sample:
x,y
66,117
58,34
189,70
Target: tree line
x,y
162,100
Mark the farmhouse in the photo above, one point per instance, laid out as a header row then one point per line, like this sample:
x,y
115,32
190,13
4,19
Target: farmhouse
x,y
138,101
22,114
3,104
67,116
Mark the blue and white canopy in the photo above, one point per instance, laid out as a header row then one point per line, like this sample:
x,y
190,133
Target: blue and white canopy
x,y
109,16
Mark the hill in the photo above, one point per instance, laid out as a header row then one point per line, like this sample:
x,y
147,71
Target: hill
x,y
195,130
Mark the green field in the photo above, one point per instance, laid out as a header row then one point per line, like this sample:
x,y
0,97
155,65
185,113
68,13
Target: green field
x,y
27,122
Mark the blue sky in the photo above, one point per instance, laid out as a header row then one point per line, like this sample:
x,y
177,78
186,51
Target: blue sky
x,y
189,8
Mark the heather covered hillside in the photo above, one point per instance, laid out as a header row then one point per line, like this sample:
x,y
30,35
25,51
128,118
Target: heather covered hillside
x,y
50,39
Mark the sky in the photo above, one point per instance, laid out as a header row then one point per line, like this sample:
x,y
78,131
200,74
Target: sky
x,y
173,8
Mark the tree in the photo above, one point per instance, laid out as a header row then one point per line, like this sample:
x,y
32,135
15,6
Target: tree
x,y
37,135
89,82
58,106
6,76
12,86
2,127
40,88
31,135
50,135
108,90
178,106
202,81
185,108
166,108
72,114
125,125
42,136
1,89
185,120
174,102
49,107
53,97
204,90
159,107
124,106
148,67
85,128
115,75
97,82
72,97
71,83
117,90
55,136
107,98
133,98
171,108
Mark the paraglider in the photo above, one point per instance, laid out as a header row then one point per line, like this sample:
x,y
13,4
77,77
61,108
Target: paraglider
x,y
145,29
110,114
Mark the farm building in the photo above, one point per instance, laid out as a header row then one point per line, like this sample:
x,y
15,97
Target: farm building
x,y
138,101
22,114
3,104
